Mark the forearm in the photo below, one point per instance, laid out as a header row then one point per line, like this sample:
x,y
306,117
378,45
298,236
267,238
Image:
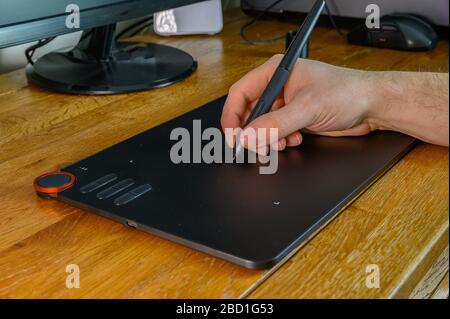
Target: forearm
x,y
413,103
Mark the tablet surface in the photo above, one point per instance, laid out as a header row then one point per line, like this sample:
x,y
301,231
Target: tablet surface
x,y
230,211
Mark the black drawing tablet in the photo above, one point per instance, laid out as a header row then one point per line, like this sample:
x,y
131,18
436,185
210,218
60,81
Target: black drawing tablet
x,y
228,210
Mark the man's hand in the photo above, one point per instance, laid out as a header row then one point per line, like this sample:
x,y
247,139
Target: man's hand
x,y
323,99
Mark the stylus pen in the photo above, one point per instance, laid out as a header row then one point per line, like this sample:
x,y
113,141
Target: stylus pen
x,y
283,70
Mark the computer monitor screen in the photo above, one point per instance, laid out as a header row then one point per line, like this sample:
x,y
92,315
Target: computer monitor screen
x,y
23,21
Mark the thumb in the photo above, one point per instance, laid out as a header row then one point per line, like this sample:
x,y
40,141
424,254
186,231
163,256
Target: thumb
x,y
287,119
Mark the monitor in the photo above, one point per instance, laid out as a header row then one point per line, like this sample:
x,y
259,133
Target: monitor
x,y
99,64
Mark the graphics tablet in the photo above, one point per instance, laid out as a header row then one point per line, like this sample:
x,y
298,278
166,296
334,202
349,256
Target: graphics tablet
x,y
230,211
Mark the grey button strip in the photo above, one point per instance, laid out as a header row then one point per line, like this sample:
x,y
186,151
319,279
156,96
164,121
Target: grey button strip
x,y
116,188
132,195
102,181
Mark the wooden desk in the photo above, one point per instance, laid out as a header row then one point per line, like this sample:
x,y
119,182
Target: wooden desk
x,y
400,223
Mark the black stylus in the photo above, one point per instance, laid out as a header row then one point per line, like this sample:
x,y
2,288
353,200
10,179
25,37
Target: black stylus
x,y
283,70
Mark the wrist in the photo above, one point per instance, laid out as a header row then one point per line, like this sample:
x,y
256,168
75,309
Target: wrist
x,y
412,103
382,91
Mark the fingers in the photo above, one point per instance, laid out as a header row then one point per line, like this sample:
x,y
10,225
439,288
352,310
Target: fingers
x,y
234,120
246,91
280,145
288,120
279,102
294,139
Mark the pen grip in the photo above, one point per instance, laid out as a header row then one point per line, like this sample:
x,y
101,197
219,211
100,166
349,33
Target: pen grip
x,y
270,94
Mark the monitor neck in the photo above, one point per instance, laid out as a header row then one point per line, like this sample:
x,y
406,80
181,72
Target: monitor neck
x,y
101,42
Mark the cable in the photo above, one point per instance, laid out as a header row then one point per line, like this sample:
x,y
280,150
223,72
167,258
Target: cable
x,y
333,22
133,26
86,34
276,39
141,28
29,52
252,21
142,24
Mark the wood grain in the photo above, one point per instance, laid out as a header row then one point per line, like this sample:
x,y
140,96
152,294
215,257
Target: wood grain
x,y
432,279
400,223
442,291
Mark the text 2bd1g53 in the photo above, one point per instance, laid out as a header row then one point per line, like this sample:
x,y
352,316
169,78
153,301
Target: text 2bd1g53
x,y
238,308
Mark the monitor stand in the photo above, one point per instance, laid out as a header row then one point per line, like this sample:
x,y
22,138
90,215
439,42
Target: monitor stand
x,y
99,65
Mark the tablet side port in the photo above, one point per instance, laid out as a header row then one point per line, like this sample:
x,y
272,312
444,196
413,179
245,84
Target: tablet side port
x,y
131,224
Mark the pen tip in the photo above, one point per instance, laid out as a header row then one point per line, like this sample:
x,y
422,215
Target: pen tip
x,y
237,150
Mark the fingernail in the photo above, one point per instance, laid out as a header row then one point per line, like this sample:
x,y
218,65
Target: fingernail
x,y
276,146
279,146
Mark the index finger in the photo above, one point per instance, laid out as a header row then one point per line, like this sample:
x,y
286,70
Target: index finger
x,y
248,89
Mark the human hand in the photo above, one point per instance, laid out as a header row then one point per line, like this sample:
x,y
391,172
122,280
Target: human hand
x,y
318,98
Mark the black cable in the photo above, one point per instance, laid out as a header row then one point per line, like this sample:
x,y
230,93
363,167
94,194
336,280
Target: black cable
x,y
333,22
276,39
86,34
29,52
133,26
141,28
252,21
89,32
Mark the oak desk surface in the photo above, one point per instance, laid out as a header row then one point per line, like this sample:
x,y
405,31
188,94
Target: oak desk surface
x,y
400,223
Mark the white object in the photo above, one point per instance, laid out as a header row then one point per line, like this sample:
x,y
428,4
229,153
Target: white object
x,y
198,18
14,57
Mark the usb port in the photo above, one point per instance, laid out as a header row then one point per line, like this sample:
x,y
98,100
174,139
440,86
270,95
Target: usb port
x,y
131,224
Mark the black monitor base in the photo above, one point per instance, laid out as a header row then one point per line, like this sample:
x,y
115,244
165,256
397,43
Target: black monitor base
x,y
105,68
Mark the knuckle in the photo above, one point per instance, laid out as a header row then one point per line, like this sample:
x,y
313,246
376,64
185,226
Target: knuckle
x,y
233,88
276,57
